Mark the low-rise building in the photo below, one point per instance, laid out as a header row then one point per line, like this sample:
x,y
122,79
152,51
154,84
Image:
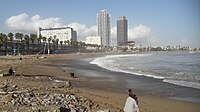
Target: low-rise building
x,y
95,40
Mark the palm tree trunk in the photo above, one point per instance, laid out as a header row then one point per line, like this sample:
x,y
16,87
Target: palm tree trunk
x,y
6,47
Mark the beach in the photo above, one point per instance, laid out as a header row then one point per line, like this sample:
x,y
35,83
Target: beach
x,y
104,87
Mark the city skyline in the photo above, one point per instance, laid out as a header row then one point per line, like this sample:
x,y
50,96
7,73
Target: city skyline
x,y
155,23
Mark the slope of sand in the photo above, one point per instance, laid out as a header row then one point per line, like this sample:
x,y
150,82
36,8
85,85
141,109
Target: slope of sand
x,y
105,97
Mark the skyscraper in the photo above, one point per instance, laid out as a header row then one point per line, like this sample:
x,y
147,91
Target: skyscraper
x,y
122,31
104,27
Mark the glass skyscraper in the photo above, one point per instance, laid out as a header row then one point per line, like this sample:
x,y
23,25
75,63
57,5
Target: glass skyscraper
x,y
104,27
122,36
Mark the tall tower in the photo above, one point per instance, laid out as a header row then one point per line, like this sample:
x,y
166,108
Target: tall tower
x,y
122,37
104,27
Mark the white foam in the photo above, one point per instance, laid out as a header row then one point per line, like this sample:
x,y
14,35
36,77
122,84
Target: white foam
x,y
106,63
183,83
126,55
140,74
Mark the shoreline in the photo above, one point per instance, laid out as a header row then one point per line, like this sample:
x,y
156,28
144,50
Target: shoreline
x,y
100,91
184,83
103,75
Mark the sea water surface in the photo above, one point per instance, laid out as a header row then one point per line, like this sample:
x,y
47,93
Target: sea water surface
x,y
179,68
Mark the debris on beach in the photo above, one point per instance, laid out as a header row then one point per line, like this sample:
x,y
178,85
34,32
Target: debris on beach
x,y
22,99
59,101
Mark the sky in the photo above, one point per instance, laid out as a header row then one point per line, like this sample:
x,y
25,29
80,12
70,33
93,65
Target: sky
x,y
150,22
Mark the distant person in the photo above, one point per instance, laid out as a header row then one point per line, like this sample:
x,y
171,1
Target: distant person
x,y
131,104
72,75
10,71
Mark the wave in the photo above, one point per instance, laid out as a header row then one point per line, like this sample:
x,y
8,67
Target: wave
x,y
105,63
125,55
183,83
110,62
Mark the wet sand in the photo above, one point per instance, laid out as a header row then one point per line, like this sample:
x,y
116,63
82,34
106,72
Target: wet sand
x,y
105,87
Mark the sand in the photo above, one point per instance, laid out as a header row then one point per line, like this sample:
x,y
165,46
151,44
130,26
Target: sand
x,y
106,97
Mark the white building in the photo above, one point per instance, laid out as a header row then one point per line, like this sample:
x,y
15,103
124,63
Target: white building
x,y
104,27
94,40
63,34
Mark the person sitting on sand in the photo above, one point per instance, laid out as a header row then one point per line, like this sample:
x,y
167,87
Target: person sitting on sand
x,y
131,104
10,71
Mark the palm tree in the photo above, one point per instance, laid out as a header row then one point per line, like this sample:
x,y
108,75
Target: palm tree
x,y
44,39
71,42
19,36
39,39
61,42
68,43
33,37
49,40
81,44
54,42
54,37
57,40
10,35
75,44
84,45
65,44
4,41
26,38
1,37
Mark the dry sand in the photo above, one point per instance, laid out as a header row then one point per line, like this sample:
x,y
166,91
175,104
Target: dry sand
x,y
107,99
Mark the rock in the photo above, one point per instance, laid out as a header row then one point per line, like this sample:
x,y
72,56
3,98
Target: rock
x,y
14,96
72,110
34,109
55,110
68,84
33,104
63,109
15,111
87,104
13,102
107,110
71,105
67,103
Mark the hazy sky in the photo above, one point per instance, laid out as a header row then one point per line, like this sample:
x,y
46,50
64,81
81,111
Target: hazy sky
x,y
150,22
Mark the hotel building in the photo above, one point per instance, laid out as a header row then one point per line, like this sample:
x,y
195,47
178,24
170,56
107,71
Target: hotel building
x,y
104,27
63,34
122,36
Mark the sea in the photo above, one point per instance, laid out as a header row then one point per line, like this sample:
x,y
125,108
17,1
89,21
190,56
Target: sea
x,y
179,68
